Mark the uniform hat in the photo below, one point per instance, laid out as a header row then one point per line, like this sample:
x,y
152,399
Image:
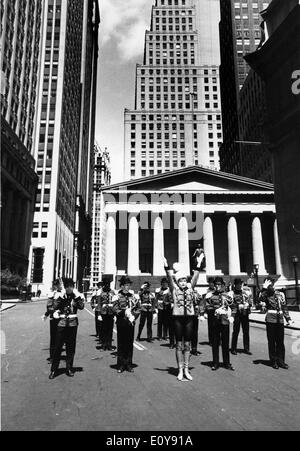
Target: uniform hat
x,y
180,275
125,280
69,282
147,284
164,280
219,280
237,281
106,279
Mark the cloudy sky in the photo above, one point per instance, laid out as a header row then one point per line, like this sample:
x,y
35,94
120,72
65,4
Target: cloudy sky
x,y
122,31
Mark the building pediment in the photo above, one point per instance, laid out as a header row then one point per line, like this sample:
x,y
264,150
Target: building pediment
x,y
193,178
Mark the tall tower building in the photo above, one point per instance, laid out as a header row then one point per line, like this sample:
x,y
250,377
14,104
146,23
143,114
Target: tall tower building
x,y
176,120
19,65
64,132
240,33
101,178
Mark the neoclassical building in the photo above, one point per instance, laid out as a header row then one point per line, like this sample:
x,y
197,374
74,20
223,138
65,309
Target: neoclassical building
x,y
169,214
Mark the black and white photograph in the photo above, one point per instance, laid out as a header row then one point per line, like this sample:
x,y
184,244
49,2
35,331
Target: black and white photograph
x,y
150,218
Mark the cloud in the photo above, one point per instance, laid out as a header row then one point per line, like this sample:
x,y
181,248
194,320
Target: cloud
x,y
125,23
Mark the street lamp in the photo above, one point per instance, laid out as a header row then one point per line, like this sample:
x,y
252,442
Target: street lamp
x,y
256,268
295,264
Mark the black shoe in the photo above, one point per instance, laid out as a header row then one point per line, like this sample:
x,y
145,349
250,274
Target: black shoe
x,y
247,352
194,352
121,370
233,352
283,366
159,338
229,367
275,366
70,372
215,367
129,369
52,375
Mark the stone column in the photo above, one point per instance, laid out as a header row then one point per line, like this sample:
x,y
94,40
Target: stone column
x,y
110,246
257,246
183,245
209,247
158,247
133,266
277,250
233,247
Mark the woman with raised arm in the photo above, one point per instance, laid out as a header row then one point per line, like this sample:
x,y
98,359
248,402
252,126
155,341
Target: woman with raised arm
x,y
184,300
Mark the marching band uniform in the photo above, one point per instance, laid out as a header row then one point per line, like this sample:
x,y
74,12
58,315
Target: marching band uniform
x,y
241,308
96,309
66,307
127,309
104,305
184,301
210,312
220,302
162,302
148,307
198,299
53,322
274,303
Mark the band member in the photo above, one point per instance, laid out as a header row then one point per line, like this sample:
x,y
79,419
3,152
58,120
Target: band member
x,y
241,308
66,305
199,259
183,316
127,309
273,302
198,302
220,302
162,297
96,309
148,308
210,312
56,288
104,303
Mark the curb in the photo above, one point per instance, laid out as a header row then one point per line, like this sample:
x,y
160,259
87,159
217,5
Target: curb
x,y
8,307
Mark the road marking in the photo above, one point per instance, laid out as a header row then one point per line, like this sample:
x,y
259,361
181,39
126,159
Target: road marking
x,y
135,344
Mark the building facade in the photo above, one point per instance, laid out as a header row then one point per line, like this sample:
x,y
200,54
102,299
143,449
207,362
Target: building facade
x,y
232,217
176,120
256,161
240,33
84,199
101,178
19,64
62,140
277,62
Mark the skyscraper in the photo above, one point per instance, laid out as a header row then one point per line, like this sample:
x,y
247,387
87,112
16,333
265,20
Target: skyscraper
x,y
64,133
19,64
176,120
240,33
101,178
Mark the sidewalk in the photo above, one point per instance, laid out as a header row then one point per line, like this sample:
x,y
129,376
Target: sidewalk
x,y
20,301
259,318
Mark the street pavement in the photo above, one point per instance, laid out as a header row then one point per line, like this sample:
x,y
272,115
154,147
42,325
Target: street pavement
x,y
254,397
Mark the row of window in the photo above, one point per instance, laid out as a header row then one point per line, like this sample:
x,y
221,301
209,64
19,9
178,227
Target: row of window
x,y
142,71
173,117
157,37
